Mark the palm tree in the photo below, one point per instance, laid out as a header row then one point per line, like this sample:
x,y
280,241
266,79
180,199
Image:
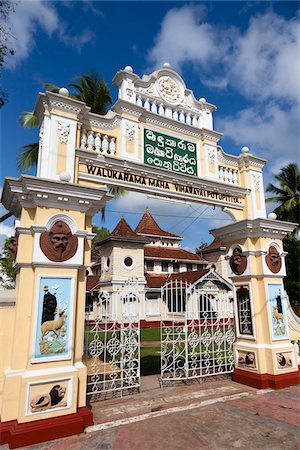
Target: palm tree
x,y
288,197
90,88
287,194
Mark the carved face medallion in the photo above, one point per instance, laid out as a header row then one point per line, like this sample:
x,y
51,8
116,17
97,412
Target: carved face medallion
x,y
59,244
170,90
238,261
13,246
273,259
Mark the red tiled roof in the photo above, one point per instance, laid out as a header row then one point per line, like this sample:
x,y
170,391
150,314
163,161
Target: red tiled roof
x,y
189,277
155,280
122,229
123,232
158,280
153,251
92,282
147,225
216,244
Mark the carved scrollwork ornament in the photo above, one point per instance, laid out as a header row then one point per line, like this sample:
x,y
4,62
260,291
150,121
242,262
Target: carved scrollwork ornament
x,y
170,90
59,244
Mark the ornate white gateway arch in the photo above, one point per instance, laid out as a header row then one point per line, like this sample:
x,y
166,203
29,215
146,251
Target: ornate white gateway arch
x,y
157,139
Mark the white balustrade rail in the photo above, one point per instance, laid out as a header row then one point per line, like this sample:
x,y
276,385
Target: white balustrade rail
x,y
179,114
228,175
97,142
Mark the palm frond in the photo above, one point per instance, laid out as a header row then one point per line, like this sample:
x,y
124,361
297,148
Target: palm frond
x,y
28,120
51,87
28,157
287,194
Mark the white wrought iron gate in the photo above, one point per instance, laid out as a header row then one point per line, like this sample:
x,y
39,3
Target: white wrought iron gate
x,y
112,344
197,334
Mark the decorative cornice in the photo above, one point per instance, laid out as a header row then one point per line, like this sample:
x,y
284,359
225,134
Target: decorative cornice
x,y
49,100
226,159
109,121
259,227
30,192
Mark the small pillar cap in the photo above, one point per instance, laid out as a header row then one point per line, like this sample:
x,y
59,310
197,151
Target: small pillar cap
x,y
65,177
64,91
129,69
272,216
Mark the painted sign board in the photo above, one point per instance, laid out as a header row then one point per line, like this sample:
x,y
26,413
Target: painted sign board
x,y
170,153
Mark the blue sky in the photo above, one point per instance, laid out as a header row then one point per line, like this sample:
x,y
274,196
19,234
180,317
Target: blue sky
x,y
241,56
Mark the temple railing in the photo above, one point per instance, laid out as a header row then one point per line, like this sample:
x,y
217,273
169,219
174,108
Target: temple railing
x,y
97,142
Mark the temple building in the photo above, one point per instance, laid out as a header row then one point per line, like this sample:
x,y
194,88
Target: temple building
x,y
153,259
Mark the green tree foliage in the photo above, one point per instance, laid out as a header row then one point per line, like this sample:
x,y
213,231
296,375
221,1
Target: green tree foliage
x,y
101,233
88,88
201,246
287,195
7,271
291,245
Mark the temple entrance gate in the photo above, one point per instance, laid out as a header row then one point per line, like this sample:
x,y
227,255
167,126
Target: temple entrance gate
x,y
158,140
198,334
112,344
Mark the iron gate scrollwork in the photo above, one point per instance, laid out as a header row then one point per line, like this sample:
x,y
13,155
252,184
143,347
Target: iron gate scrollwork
x,y
112,343
197,334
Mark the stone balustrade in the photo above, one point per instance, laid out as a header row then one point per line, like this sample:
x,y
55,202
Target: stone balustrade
x,y
228,175
179,114
97,142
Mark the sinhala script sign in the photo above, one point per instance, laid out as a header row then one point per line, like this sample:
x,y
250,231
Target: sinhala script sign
x,y
168,152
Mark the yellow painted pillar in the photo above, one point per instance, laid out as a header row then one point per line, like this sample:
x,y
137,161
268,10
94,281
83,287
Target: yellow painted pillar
x,y
45,378
264,354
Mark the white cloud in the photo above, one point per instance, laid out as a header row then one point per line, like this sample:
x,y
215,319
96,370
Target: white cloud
x,y
30,16
261,63
268,130
184,37
5,232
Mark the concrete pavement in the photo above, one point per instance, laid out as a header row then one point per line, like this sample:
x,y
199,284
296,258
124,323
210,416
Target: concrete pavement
x,y
216,415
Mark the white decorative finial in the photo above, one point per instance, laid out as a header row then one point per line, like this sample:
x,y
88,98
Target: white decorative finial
x,y
245,150
166,65
272,216
65,177
64,91
202,100
128,69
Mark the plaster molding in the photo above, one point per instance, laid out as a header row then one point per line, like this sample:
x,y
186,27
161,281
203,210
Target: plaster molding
x,y
24,230
225,158
260,227
123,106
50,100
267,346
164,85
31,192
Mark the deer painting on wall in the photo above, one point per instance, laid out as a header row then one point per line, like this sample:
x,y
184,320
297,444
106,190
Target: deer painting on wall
x,y
53,333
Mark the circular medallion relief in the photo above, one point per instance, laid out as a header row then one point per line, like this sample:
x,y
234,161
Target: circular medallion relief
x,y
59,244
170,90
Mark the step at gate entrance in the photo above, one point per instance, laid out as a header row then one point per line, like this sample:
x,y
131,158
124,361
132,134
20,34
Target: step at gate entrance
x,y
112,344
197,334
